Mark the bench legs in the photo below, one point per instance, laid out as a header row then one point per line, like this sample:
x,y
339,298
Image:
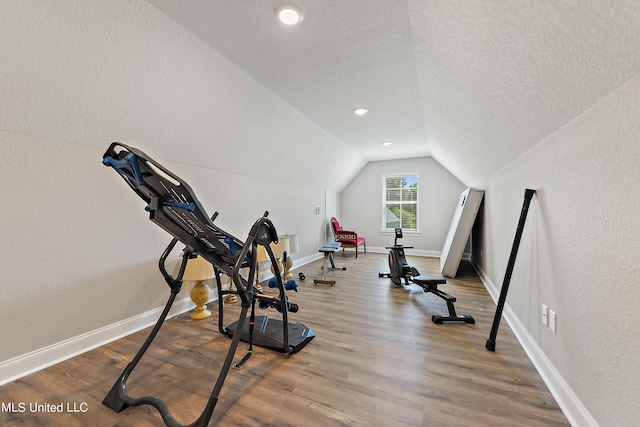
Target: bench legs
x,y
328,252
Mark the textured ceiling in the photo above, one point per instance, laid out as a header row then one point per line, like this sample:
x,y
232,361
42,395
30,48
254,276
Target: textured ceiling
x,y
474,84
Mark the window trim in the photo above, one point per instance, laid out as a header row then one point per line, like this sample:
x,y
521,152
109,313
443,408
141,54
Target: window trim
x,y
384,203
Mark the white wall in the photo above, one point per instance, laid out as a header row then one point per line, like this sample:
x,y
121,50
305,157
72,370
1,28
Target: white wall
x,y
76,254
579,254
79,254
361,204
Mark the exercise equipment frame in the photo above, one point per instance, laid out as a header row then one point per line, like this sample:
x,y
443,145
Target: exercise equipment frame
x,y
328,250
173,206
400,270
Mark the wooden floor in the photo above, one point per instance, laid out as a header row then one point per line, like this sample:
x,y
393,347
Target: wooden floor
x,y
377,360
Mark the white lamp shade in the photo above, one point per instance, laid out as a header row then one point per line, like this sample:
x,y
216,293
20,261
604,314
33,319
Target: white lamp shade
x,y
198,268
293,243
280,247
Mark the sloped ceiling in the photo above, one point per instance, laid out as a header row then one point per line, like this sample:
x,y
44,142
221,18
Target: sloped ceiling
x,y
496,77
474,84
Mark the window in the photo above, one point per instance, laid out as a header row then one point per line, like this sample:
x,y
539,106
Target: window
x,y
400,202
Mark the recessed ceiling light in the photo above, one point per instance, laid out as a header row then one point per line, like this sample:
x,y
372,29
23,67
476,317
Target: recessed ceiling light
x,y
289,14
386,142
360,111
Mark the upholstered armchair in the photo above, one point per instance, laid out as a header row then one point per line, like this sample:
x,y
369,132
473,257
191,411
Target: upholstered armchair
x,y
348,239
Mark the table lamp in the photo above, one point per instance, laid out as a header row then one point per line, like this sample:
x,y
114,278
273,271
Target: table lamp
x,y
231,298
199,270
293,249
262,257
280,249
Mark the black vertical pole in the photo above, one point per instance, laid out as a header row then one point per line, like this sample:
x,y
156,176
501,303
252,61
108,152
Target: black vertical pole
x,y
491,342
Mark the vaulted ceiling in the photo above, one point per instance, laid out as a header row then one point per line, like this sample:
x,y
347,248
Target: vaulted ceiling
x,y
474,84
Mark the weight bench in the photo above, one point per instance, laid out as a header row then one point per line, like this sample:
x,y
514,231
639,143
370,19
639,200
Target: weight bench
x,y
173,206
329,249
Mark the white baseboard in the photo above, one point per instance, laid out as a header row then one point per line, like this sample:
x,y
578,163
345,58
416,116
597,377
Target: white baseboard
x,y
23,365
571,406
306,260
26,364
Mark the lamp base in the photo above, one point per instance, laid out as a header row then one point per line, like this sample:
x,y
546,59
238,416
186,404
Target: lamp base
x,y
231,298
288,265
200,313
200,294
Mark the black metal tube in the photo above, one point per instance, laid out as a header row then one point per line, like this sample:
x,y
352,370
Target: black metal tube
x,y
491,342
252,321
163,268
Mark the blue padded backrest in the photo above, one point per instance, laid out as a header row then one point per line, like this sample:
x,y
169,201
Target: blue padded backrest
x,y
173,205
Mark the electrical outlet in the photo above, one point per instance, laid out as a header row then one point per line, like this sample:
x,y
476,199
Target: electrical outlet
x,y
545,316
552,321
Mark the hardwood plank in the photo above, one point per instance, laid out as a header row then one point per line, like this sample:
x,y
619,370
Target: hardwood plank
x,y
377,360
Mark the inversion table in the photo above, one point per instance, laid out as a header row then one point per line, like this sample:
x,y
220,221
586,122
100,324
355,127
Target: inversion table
x,y
173,206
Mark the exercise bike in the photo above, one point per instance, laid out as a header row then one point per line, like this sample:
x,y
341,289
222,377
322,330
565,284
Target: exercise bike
x,y
400,270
